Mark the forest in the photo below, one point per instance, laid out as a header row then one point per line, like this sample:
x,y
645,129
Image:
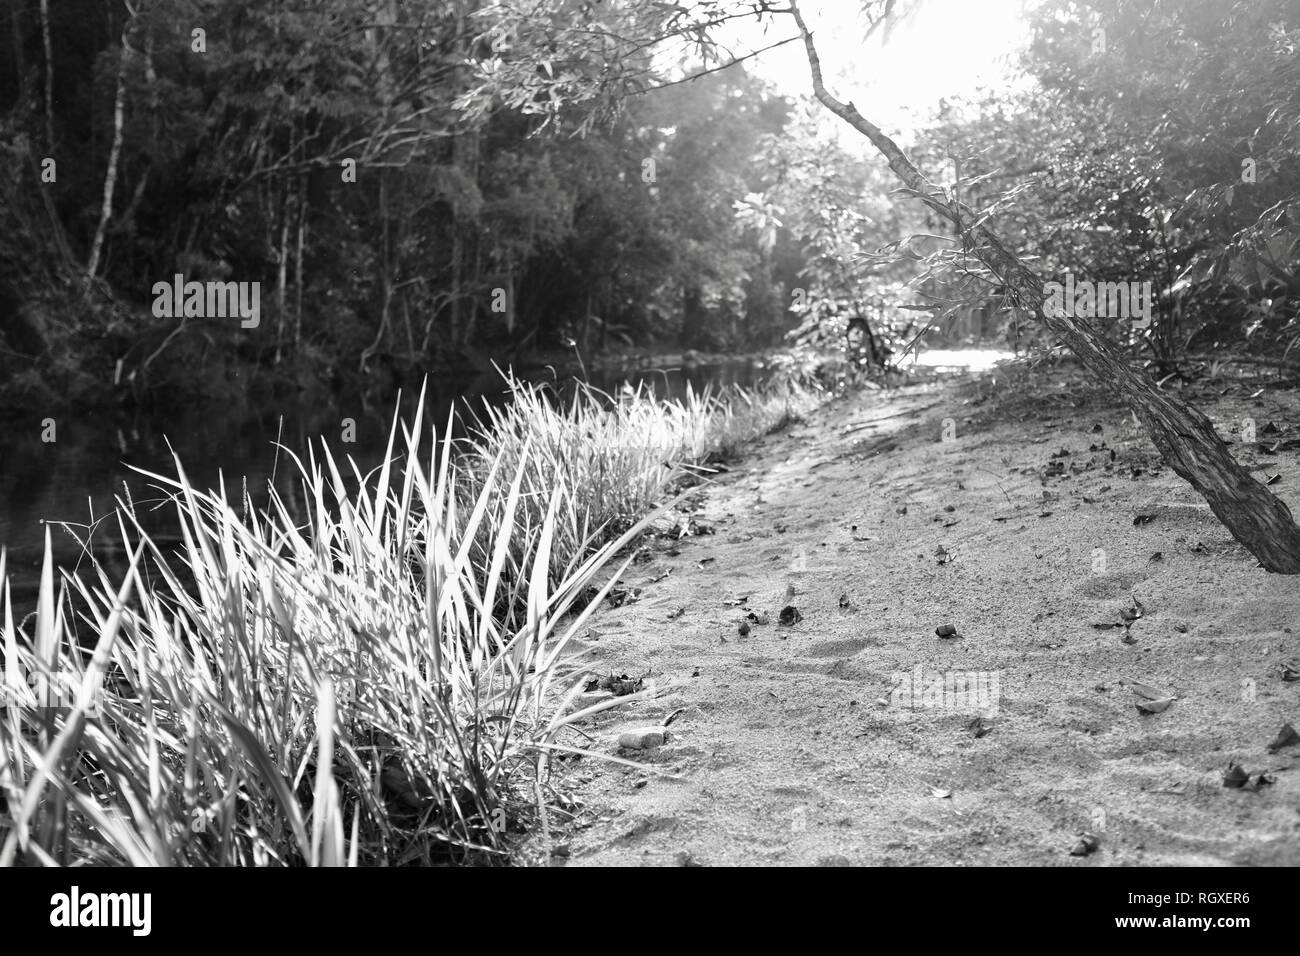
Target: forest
x,y
560,433
406,208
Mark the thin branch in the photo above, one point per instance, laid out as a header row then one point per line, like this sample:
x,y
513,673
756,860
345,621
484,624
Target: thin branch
x,y
717,69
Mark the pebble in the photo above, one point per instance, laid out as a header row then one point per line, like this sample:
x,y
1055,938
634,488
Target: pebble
x,y
643,738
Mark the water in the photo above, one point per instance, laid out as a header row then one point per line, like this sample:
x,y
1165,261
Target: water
x,y
672,381
972,360
69,486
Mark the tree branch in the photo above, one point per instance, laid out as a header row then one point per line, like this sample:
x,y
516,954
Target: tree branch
x,y
717,69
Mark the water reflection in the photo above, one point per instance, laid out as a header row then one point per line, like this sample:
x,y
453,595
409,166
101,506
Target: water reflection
x,y
75,479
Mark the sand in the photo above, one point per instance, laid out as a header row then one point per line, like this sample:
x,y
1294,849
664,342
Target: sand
x,y
805,744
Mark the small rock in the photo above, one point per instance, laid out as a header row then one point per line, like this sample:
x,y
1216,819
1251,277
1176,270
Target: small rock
x,y
1088,843
946,630
643,738
1260,781
1235,777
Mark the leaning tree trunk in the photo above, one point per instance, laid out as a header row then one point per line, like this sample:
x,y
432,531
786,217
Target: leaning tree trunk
x,y
1184,436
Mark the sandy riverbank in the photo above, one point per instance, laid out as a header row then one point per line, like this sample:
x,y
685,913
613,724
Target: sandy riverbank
x,y
801,745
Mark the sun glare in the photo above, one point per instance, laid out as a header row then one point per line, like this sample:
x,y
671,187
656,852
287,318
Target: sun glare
x,y
942,48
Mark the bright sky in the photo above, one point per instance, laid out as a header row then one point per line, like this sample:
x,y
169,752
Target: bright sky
x,y
946,47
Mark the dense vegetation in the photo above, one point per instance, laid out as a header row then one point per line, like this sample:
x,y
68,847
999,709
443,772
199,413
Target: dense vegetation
x,y
462,238
521,187
374,672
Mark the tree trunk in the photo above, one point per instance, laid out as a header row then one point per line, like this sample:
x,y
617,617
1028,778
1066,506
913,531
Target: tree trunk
x,y
110,177
303,201
692,315
20,61
1184,436
49,72
282,274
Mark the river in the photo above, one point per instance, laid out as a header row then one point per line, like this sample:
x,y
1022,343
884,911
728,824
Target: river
x,y
69,485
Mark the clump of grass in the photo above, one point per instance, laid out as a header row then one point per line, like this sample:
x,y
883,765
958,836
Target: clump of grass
x,y
608,458
384,681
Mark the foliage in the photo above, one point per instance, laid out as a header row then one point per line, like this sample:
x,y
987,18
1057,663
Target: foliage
x,y
477,225
383,678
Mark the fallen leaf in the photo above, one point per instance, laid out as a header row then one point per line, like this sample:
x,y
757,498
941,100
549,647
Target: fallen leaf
x,y
1088,843
1153,706
618,597
1261,780
620,684
1235,777
1146,690
1285,738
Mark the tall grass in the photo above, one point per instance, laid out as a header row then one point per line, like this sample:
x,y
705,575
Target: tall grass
x,y
380,681
606,459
